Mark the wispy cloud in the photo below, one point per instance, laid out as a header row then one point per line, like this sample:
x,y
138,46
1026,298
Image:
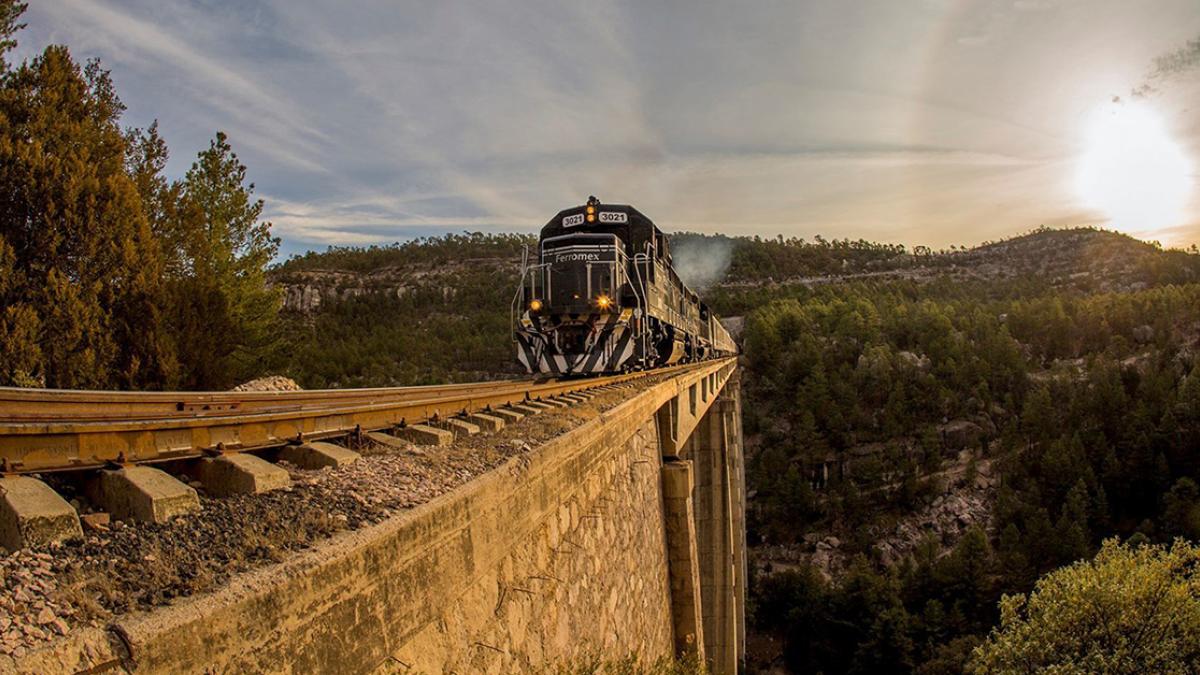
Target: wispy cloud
x,y
270,122
937,121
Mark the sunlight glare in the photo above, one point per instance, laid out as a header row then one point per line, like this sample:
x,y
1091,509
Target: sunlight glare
x,y
1133,171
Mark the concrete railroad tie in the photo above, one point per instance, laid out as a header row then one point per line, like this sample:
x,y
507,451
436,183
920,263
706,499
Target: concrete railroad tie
x,y
317,455
387,440
421,434
459,427
507,415
486,421
31,513
142,493
241,474
525,410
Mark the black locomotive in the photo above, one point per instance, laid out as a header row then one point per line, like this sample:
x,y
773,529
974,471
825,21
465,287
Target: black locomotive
x,y
601,296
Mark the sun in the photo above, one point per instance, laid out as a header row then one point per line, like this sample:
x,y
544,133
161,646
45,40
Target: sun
x,y
1133,171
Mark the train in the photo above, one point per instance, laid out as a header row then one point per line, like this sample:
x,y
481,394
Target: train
x,y
600,295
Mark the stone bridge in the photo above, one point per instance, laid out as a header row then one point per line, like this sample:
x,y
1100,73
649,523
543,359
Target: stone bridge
x,y
623,535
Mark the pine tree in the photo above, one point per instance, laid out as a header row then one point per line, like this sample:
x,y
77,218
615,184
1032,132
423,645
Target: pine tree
x,y
111,276
84,276
10,12
1071,530
223,249
1181,509
20,354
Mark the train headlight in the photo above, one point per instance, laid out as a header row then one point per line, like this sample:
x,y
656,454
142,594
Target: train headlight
x,y
535,305
603,302
591,213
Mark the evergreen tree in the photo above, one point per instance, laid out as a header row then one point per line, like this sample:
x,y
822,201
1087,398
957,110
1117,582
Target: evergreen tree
x,y
83,270
1072,528
1181,509
222,250
110,276
10,13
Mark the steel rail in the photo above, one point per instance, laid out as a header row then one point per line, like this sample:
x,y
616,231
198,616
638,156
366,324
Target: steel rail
x,y
62,443
51,404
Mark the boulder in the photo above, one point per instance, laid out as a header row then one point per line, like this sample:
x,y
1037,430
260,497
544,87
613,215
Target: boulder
x,y
960,434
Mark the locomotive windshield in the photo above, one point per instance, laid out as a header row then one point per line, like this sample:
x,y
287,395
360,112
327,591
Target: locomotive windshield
x,y
580,269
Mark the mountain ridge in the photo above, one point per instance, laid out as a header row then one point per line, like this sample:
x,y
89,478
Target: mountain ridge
x,y
1086,258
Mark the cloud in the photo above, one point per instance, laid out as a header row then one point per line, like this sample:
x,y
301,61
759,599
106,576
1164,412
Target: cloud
x,y
396,117
1034,5
792,190
269,123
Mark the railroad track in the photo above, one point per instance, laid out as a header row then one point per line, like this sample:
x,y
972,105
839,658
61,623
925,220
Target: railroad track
x,y
54,430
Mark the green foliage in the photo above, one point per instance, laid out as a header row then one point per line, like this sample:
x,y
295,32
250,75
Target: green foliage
x,y
83,271
110,276
873,366
10,13
1181,510
221,255
1130,610
873,621
437,312
1086,405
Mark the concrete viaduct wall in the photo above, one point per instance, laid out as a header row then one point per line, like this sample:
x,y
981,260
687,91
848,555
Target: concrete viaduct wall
x,y
623,535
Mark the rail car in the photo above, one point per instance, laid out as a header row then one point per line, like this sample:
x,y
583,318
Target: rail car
x,y
600,295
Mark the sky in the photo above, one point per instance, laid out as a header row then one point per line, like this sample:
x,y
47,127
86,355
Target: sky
x,y
931,122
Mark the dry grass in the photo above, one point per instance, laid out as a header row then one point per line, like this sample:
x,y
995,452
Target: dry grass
x,y
633,664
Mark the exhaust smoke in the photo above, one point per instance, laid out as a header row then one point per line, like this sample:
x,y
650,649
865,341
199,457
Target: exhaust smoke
x,y
701,260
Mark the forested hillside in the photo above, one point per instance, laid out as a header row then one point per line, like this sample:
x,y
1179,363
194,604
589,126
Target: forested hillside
x,y
423,312
356,302
926,431
1087,406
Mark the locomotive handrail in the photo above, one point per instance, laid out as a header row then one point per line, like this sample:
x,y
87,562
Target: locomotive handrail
x,y
645,302
512,308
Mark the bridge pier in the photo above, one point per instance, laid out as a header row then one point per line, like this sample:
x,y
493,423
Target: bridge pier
x,y
715,450
683,570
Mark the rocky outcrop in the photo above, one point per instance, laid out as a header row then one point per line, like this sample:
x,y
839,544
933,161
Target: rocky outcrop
x,y
966,503
308,290
960,434
735,325
945,521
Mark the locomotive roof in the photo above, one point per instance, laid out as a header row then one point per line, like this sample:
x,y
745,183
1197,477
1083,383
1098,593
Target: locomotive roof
x,y
636,228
